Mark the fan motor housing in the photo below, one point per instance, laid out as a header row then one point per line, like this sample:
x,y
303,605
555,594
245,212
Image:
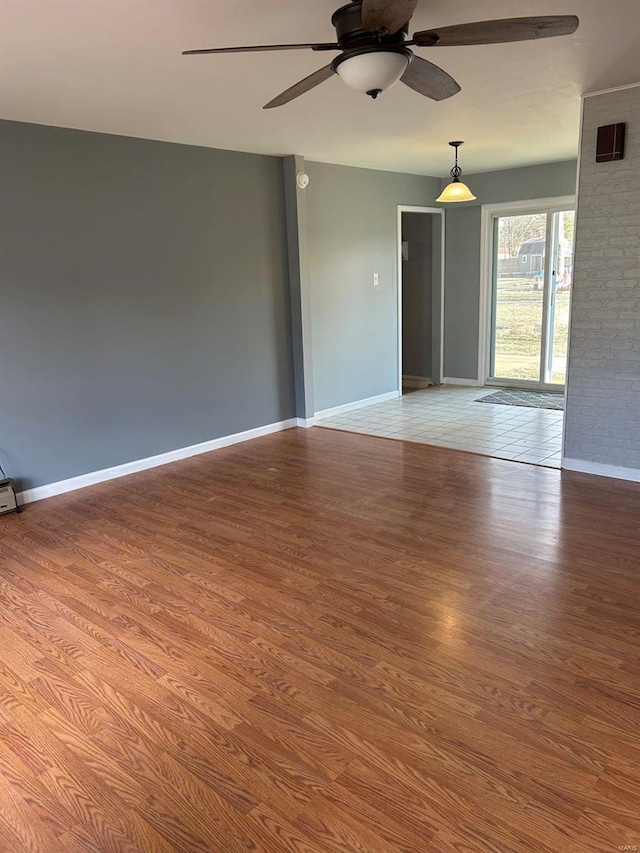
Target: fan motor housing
x,y
348,23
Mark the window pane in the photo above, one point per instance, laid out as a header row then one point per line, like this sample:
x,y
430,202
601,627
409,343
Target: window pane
x,y
519,254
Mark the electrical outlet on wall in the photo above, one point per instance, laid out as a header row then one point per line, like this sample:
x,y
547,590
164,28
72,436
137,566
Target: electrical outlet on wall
x,y
376,279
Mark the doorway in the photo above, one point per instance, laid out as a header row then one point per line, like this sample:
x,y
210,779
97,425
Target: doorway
x,y
450,415
530,259
420,297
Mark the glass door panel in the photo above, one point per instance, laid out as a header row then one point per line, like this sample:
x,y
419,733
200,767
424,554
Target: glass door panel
x,y
560,298
518,296
531,297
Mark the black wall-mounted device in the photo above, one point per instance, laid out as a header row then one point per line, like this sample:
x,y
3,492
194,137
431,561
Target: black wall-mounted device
x,y
610,143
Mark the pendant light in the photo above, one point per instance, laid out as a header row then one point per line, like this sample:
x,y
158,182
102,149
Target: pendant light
x,y
456,190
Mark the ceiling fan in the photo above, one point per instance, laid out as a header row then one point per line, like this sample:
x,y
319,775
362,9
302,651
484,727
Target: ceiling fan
x,y
375,48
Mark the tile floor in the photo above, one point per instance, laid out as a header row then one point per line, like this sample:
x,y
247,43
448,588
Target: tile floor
x,y
448,416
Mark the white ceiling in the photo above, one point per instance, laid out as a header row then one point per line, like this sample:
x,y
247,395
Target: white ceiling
x,y
115,66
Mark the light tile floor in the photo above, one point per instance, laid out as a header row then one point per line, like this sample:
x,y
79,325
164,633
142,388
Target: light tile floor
x,y
448,416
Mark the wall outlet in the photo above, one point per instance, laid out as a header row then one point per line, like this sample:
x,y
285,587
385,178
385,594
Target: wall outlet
x,y
376,279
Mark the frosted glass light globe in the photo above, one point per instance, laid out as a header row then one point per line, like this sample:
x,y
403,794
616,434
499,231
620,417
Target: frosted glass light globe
x,y
375,71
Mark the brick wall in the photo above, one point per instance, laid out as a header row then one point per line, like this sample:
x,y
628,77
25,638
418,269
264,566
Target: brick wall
x,y
603,391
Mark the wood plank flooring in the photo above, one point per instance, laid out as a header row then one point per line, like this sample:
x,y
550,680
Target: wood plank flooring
x,y
319,642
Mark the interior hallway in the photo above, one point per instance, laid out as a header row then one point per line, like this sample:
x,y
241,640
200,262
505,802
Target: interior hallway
x,y
448,416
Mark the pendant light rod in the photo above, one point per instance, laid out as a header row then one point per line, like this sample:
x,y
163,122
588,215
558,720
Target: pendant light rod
x,y
456,191
456,172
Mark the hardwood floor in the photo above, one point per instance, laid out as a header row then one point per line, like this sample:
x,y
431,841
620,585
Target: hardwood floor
x,y
318,642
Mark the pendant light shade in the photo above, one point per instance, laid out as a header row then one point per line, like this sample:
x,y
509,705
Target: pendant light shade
x,y
372,71
456,190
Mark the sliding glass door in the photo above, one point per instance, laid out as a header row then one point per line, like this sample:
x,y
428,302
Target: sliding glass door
x,y
532,266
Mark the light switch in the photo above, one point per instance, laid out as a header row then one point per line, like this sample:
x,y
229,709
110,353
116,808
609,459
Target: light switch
x,y
376,279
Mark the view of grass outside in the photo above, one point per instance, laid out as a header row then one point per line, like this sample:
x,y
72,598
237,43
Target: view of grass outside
x,y
519,311
521,258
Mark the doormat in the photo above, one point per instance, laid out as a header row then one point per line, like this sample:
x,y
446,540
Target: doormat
x,y
530,399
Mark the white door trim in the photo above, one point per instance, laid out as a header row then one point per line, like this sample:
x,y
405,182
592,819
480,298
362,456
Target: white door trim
x,y
405,208
538,205
575,231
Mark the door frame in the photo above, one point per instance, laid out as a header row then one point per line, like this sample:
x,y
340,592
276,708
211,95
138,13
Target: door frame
x,y
405,208
488,211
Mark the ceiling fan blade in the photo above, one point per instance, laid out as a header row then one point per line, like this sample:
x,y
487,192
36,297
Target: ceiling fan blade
x,y
387,15
261,47
303,86
499,32
429,80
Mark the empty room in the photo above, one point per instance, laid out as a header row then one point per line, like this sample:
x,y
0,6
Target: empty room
x,y
319,426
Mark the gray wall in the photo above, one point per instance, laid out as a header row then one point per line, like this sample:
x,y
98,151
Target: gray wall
x,y
143,299
463,237
352,217
299,286
417,294
437,294
462,291
603,392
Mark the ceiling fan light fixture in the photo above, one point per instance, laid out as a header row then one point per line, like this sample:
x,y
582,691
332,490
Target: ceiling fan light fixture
x,y
456,190
374,70
372,36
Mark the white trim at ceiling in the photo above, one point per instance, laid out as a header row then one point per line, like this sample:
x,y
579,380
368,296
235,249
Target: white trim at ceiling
x,y
614,89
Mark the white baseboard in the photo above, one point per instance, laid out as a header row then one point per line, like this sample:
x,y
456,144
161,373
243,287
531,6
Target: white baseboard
x,y
417,382
358,404
94,477
618,472
305,424
453,380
